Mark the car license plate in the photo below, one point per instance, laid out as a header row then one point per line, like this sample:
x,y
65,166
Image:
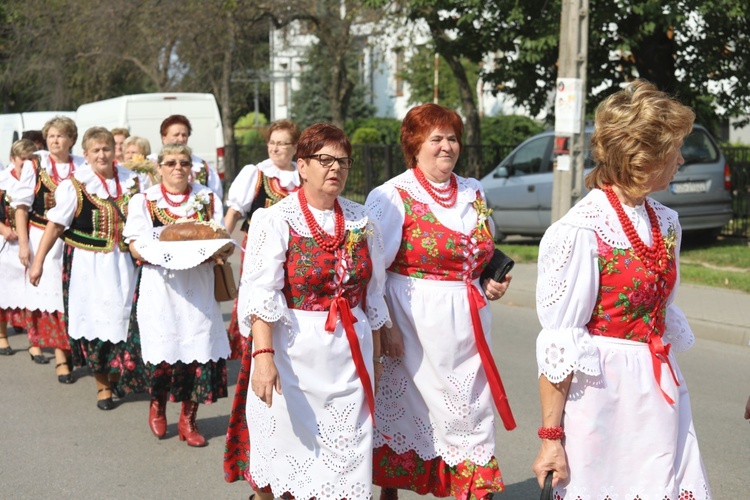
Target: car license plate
x,y
689,187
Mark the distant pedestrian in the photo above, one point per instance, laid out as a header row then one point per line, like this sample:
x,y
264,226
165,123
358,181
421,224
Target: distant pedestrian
x,y
120,134
616,417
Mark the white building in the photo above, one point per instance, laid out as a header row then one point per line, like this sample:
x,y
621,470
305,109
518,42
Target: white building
x,y
384,56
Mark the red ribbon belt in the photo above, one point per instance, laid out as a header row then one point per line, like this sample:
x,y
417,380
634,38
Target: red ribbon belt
x,y
659,355
340,306
476,302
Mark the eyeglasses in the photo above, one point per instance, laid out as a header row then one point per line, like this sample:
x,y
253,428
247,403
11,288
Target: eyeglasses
x,y
279,144
326,161
174,163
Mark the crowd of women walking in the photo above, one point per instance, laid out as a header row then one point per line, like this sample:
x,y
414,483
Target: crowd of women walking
x,y
363,331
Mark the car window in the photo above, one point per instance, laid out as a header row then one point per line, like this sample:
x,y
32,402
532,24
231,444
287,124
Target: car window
x,y
699,148
530,158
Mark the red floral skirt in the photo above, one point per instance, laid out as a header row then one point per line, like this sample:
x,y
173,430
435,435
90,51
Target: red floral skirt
x,y
236,340
15,317
408,471
237,446
47,330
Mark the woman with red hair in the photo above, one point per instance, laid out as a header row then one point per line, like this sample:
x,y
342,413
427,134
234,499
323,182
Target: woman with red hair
x,y
439,379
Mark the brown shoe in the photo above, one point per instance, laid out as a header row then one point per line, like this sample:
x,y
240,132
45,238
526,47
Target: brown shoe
x,y
157,417
186,427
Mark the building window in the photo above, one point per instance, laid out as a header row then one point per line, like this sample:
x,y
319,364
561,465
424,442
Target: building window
x,y
399,69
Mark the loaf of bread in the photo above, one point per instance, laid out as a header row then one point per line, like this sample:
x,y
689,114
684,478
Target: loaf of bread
x,y
188,229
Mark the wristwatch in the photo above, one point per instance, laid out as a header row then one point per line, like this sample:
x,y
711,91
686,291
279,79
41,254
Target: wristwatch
x,y
378,359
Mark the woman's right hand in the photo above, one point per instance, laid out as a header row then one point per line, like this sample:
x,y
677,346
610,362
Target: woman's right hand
x,y
24,255
265,378
551,457
391,341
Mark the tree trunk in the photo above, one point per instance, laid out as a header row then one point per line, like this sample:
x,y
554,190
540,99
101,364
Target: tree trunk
x,y
225,98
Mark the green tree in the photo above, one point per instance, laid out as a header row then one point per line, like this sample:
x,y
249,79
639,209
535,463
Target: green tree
x,y
311,103
694,49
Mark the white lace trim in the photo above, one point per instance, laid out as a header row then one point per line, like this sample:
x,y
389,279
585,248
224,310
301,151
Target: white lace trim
x,y
691,491
595,212
355,215
287,178
177,255
677,331
467,188
562,351
268,305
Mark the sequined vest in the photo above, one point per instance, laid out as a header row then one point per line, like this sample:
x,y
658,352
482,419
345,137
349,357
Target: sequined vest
x,y
268,191
44,194
430,250
164,217
97,225
632,300
314,277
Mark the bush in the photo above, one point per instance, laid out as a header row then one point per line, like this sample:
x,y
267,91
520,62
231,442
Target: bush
x,y
366,135
245,133
388,129
509,130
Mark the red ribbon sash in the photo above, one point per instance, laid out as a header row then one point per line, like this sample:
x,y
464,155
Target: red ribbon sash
x,y
659,355
340,306
476,302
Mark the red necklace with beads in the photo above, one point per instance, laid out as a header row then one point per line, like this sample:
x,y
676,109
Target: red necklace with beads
x,y
171,203
445,197
653,257
324,240
117,183
55,175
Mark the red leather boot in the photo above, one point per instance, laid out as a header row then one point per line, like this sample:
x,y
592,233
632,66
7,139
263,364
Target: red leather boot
x,y
186,426
157,418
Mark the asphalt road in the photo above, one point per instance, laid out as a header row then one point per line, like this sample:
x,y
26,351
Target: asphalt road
x,y
55,443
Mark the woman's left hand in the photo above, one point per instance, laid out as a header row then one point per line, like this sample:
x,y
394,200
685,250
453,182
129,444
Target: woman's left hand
x,y
494,290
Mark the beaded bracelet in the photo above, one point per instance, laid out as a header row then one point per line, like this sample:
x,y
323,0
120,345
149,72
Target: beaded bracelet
x,y
551,433
263,351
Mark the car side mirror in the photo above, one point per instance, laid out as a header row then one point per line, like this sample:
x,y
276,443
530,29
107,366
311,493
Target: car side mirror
x,y
501,172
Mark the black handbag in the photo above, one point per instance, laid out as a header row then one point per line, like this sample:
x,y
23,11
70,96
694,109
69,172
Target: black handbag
x,y
547,490
498,267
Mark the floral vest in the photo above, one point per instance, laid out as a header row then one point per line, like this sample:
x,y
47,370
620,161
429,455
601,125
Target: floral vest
x,y
97,225
315,277
632,300
164,217
430,250
268,192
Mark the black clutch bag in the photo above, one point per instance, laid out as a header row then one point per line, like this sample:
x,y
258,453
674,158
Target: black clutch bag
x,y
547,490
498,267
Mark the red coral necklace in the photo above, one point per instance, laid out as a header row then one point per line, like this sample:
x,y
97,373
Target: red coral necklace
x,y
323,239
653,257
171,203
56,175
445,197
117,183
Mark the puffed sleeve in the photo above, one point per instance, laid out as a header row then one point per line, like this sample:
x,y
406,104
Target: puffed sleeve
x,y
566,291
677,331
66,204
262,282
384,205
22,192
139,221
377,309
242,191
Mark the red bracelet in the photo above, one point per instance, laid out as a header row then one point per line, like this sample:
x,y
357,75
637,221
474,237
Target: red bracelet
x,y
263,351
551,433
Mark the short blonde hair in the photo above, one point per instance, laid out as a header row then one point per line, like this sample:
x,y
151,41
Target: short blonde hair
x,y
21,148
97,133
121,131
635,131
143,145
174,149
64,125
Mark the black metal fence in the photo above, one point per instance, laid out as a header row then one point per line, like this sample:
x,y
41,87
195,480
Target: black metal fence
x,y
376,163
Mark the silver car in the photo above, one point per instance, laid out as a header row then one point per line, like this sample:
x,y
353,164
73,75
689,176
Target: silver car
x,y
519,189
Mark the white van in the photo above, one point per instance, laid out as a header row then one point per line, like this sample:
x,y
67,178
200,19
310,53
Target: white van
x,y
142,115
13,125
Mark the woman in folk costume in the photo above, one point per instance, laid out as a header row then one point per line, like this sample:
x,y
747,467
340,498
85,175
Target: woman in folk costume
x,y
256,186
98,271
32,197
439,380
12,272
314,301
176,326
616,418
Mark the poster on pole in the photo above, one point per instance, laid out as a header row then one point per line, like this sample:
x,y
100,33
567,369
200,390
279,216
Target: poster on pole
x,y
568,106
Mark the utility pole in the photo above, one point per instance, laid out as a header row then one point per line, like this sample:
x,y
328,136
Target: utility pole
x,y
570,106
